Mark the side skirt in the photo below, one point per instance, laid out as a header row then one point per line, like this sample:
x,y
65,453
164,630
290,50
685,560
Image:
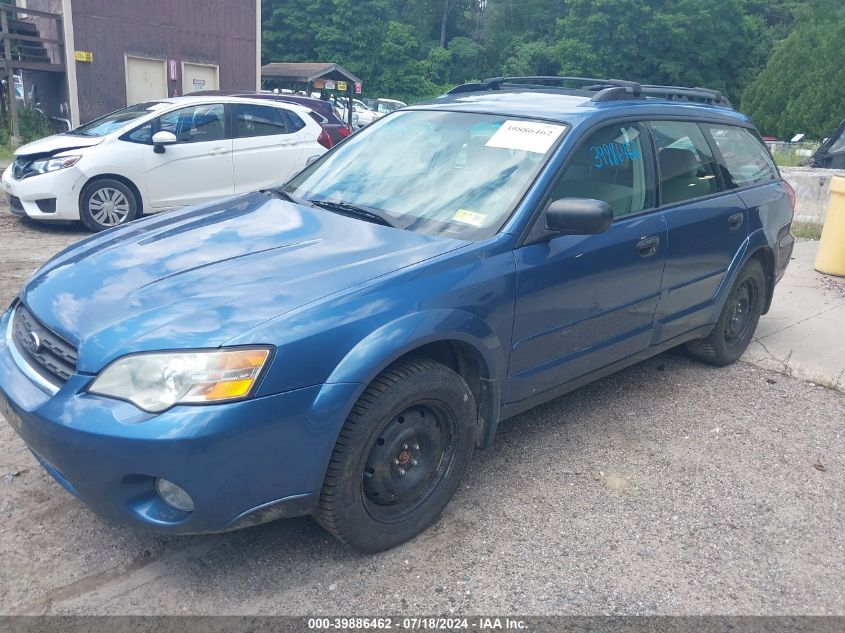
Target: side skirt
x,y
515,408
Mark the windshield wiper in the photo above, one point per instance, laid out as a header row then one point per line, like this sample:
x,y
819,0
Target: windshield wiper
x,y
347,208
280,192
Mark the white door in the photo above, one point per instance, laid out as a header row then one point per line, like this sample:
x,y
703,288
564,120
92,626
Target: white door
x,y
146,79
199,167
268,146
199,77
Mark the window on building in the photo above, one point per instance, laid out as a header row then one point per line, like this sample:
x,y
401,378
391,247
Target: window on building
x,y
686,166
614,166
746,160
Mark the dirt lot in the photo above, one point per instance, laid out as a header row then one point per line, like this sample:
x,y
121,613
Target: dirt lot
x,y
670,488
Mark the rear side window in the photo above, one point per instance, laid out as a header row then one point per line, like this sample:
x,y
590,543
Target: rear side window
x,y
257,120
612,165
295,123
685,164
746,161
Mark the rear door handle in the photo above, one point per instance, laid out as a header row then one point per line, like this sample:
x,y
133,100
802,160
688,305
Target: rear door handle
x,y
218,151
735,221
648,246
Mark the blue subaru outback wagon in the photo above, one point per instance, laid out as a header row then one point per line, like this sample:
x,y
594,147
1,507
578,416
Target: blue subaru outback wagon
x,y
339,346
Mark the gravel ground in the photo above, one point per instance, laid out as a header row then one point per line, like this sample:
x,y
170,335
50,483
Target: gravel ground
x,y
669,488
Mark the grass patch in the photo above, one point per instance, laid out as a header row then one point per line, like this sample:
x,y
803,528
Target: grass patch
x,y
7,153
807,230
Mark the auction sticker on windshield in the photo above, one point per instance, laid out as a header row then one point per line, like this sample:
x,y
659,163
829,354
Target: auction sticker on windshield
x,y
527,136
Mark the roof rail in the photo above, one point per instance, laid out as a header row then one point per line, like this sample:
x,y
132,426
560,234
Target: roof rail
x,y
602,89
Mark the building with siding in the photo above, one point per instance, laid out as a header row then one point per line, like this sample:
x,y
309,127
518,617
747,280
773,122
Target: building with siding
x,y
88,57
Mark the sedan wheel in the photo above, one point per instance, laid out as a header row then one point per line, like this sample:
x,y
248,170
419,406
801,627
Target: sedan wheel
x,y
107,203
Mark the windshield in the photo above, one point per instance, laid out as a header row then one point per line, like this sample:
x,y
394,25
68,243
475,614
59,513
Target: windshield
x,y
116,120
440,173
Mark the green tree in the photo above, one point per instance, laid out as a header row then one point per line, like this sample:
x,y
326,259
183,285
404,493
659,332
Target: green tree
x,y
802,88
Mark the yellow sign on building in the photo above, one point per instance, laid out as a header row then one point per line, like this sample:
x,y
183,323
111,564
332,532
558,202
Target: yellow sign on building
x,y
84,56
341,85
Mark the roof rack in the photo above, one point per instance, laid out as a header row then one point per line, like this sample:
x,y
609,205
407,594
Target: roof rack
x,y
601,89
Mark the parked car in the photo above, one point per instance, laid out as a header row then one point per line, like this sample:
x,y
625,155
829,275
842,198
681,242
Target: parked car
x,y
361,114
322,111
339,346
384,106
831,153
161,155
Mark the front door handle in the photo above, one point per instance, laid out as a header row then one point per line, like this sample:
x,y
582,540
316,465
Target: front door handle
x,y
648,246
218,151
735,221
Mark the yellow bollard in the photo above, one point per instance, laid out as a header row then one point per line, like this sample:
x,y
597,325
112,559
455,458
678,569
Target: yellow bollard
x,y
831,256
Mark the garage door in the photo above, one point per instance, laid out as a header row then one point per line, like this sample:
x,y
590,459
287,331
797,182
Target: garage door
x,y
198,77
146,79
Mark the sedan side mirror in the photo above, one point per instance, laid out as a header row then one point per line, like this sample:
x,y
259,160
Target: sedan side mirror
x,y
160,139
578,216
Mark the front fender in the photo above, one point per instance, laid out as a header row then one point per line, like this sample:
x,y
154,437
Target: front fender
x,y
399,337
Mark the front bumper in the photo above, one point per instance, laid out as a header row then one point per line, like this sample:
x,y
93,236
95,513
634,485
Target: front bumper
x,y
62,186
242,463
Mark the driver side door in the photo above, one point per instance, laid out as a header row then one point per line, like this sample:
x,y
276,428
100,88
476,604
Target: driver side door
x,y
198,167
587,301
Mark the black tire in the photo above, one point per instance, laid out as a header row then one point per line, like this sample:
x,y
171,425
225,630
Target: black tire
x,y
424,413
106,203
737,321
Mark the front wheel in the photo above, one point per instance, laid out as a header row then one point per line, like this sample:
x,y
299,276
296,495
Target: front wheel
x,y
737,321
400,456
106,203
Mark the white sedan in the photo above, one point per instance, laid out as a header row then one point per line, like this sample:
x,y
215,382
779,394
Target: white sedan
x,y
162,155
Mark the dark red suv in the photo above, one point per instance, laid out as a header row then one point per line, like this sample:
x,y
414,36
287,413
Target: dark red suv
x,y
331,124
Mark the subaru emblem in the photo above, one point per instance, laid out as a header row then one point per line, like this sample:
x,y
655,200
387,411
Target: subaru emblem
x,y
33,342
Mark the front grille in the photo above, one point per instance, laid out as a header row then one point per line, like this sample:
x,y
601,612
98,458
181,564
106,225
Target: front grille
x,y
22,167
53,358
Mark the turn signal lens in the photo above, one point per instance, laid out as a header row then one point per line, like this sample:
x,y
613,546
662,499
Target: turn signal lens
x,y
155,382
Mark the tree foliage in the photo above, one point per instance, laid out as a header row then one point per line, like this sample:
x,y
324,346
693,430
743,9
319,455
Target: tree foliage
x,y
413,49
802,88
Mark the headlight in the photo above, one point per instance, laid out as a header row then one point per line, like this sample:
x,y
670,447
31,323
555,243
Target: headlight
x,y
44,165
155,382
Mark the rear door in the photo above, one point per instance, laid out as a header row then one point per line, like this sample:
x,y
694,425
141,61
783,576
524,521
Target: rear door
x,y
707,226
586,301
198,168
268,146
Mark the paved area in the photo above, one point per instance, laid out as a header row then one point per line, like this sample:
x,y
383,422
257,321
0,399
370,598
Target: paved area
x,y
804,333
669,488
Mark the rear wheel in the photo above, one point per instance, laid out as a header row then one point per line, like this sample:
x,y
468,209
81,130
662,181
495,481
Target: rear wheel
x,y
400,456
106,203
737,321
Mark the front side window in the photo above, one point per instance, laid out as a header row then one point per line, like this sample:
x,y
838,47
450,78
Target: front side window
x,y
746,161
257,120
195,124
612,165
442,173
685,164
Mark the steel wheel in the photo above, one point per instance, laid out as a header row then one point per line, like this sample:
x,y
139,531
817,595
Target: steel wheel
x,y
409,460
108,206
740,311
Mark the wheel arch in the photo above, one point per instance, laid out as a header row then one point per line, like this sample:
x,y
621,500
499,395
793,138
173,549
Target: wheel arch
x,y
461,341
765,255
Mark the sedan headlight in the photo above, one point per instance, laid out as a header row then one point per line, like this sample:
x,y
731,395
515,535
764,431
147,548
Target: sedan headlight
x,y
155,382
44,165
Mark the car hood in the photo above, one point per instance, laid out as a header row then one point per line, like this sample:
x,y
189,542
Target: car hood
x,y
198,277
57,143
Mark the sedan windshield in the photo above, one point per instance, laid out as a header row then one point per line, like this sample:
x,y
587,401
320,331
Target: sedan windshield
x,y
116,120
442,173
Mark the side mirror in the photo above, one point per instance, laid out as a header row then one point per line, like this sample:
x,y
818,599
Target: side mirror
x,y
578,216
160,139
